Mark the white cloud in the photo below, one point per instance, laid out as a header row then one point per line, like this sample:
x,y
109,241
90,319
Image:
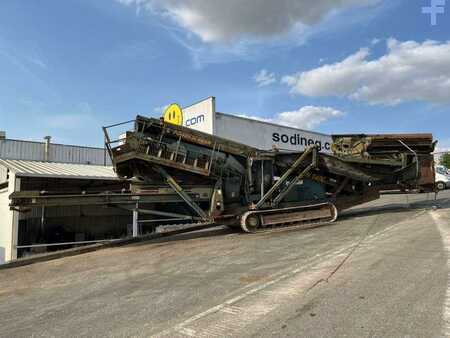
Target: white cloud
x,y
409,71
443,145
375,41
264,78
307,117
219,20
38,62
216,31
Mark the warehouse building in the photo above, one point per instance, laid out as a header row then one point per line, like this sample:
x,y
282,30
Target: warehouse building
x,y
46,151
26,231
45,166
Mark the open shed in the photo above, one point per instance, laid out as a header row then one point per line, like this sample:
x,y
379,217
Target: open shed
x,y
44,228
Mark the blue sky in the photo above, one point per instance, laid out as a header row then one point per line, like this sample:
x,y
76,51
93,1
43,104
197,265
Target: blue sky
x,y
69,67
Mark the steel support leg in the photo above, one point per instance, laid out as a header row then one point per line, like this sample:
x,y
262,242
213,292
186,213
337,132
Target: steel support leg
x,y
135,221
283,178
176,187
291,184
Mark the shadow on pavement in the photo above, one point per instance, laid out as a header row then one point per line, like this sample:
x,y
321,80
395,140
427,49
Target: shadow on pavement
x,y
441,203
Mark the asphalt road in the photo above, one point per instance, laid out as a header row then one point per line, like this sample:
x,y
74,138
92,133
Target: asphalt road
x,y
382,270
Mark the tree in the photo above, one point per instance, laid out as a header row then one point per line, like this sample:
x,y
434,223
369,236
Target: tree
x,y
445,160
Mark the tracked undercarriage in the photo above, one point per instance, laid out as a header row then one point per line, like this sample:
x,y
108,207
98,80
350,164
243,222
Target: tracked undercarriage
x,y
263,190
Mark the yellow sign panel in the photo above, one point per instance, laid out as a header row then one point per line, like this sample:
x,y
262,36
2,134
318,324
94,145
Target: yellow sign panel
x,y
173,114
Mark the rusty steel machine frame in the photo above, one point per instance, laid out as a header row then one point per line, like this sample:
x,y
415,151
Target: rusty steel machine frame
x,y
183,178
265,190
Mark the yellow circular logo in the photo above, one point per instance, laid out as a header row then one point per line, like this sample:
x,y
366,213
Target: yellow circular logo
x,y
173,114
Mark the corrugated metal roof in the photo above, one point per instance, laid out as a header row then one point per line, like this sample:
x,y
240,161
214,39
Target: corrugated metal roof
x,y
58,170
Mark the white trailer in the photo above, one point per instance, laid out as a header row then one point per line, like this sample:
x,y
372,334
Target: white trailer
x,y
202,116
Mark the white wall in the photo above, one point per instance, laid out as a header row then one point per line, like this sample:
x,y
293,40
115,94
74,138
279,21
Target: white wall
x,y
5,224
263,135
8,223
201,115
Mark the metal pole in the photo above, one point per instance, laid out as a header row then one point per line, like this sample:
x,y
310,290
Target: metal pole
x,y
415,155
283,178
175,186
136,220
117,124
262,178
291,184
42,219
66,243
104,151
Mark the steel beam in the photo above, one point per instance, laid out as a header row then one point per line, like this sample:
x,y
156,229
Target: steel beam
x,y
30,199
136,220
176,187
40,245
284,178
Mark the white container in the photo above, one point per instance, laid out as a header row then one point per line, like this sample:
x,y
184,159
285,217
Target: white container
x,y
202,116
